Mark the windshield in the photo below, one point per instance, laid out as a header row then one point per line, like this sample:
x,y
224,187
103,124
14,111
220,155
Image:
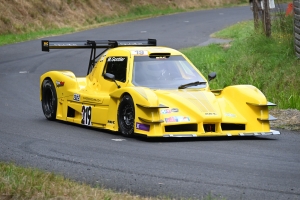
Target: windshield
x,y
164,73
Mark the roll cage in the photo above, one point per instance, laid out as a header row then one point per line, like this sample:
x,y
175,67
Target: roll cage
x,y
93,45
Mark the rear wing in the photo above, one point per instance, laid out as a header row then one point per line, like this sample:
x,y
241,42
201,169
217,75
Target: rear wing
x,y
93,44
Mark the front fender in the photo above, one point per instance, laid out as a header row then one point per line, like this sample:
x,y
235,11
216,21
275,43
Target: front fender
x,y
247,101
63,81
244,93
141,96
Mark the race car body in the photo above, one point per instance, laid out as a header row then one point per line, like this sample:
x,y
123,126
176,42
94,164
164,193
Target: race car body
x,y
136,87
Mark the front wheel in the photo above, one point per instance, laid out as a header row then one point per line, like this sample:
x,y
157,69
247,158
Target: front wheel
x,y
49,99
126,115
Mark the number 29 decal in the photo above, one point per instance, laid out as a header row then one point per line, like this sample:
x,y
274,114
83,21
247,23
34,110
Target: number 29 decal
x,y
86,115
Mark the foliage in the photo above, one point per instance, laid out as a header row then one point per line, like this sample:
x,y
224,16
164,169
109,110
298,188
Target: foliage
x,y
251,58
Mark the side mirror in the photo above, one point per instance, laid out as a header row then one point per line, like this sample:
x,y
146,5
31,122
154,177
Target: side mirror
x,y
212,75
111,77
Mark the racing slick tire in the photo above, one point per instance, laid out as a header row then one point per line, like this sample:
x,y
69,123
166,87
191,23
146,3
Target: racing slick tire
x,y
49,99
126,116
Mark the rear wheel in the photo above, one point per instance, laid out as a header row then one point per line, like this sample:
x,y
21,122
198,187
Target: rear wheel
x,y
126,115
49,99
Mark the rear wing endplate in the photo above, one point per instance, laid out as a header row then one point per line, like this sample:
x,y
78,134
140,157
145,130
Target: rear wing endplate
x,y
92,44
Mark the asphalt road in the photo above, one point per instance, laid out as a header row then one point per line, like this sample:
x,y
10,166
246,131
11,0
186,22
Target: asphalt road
x,y
234,168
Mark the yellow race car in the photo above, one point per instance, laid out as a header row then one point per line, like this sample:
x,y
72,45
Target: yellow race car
x,y
137,87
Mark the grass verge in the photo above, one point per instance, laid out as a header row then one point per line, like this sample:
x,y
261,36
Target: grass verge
x,y
135,12
27,183
139,12
251,58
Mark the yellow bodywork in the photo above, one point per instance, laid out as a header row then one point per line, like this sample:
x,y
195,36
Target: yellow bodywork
x,y
234,111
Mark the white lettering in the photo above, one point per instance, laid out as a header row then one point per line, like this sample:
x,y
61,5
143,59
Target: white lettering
x,y
114,59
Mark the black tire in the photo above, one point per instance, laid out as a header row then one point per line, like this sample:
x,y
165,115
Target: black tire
x,y
49,99
126,116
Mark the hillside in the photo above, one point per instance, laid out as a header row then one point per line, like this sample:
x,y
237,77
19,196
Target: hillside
x,y
22,16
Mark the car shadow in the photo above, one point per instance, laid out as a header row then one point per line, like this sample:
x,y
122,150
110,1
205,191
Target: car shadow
x,y
166,139
202,139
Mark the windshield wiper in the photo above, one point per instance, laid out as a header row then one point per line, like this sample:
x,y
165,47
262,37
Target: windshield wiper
x,y
191,84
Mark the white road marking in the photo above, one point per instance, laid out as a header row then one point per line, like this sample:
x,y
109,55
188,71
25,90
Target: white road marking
x,y
118,140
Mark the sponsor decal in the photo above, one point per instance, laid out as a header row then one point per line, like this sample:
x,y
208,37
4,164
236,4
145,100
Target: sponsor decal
x,y
170,119
177,119
102,58
210,114
86,113
230,115
161,57
174,110
143,127
168,111
130,43
60,83
64,45
110,122
76,97
91,99
165,111
46,44
115,59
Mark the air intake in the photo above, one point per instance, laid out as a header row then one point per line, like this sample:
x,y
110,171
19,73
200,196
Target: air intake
x,y
231,127
181,128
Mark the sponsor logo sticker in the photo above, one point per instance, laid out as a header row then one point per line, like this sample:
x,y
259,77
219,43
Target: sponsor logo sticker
x,y
210,113
76,97
177,119
230,115
160,57
143,127
174,110
91,99
60,83
110,122
115,59
102,57
165,111
168,111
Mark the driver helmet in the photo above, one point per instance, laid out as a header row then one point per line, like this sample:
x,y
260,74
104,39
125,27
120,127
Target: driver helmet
x,y
155,69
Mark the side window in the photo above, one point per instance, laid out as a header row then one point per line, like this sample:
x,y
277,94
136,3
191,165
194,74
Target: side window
x,y
117,66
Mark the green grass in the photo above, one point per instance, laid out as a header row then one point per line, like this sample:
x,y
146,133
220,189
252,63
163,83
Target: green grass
x,y
14,38
28,183
251,58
